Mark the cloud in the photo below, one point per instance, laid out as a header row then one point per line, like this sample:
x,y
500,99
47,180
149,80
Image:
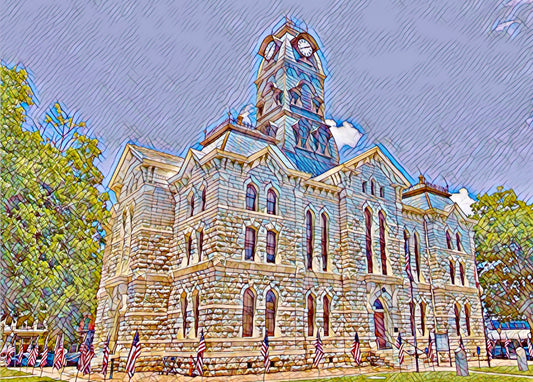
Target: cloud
x,y
345,134
463,200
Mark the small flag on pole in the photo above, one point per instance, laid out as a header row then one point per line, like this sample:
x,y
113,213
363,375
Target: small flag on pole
x,y
529,348
319,350
399,345
34,352
21,354
59,353
264,353
11,350
356,349
490,346
44,355
105,359
200,354
86,353
135,352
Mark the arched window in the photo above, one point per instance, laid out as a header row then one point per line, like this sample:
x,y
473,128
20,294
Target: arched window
x,y
189,248
407,252
458,240
271,247
249,244
204,198
270,313
457,311
326,304
363,187
382,192
373,187
272,199
448,240
412,317
196,310
309,238
417,255
467,319
462,273
200,245
368,237
183,303
310,315
452,272
248,309
324,242
382,243
423,318
191,204
251,198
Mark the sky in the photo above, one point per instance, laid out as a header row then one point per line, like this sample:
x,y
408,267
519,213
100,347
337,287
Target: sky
x,y
445,86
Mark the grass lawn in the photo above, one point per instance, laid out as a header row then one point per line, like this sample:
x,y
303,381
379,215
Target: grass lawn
x,y
506,370
13,373
439,376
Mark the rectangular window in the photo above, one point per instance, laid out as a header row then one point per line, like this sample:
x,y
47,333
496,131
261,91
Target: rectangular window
x,y
271,247
363,188
249,244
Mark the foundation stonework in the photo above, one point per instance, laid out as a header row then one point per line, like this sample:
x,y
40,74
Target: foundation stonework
x,y
171,270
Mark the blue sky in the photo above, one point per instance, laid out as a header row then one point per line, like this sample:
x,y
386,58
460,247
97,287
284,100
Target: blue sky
x,y
446,86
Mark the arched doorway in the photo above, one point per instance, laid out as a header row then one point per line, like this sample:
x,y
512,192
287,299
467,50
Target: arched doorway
x,y
379,324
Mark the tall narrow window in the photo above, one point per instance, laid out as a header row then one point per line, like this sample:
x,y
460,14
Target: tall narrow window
x,y
184,313
309,238
200,245
423,318
417,255
467,319
382,192
448,240
458,240
204,198
310,315
368,237
248,309
271,247
326,304
324,242
272,199
189,249
251,198
462,273
412,317
372,187
407,252
363,187
249,244
196,310
270,313
382,243
457,311
191,204
452,272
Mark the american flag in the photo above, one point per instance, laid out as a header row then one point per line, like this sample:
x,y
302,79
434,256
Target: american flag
x,y
490,346
21,353
86,353
356,349
529,348
105,360
34,352
59,353
44,356
399,345
135,352
431,354
461,343
506,346
11,350
264,353
319,350
200,354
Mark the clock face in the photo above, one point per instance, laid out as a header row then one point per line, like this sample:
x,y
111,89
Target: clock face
x,y
270,49
304,47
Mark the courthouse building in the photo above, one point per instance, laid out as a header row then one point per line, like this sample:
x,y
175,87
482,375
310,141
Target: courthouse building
x,y
264,230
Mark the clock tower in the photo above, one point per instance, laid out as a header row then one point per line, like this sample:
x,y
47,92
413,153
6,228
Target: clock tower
x,y
290,99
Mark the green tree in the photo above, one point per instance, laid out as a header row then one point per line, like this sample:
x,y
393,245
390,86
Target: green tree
x,y
52,212
504,251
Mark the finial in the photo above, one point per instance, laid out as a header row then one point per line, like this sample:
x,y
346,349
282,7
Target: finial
x,y
421,179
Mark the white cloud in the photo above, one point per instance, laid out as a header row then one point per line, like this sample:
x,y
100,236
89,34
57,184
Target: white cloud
x,y
463,200
346,134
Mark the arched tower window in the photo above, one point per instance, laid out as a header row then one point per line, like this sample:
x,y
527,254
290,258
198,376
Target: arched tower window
x,y
248,309
457,311
324,242
379,324
458,240
272,199
412,317
200,245
270,313
191,204
204,198
251,198
310,315
452,272
271,247
423,318
382,243
326,305
189,248
449,240
462,273
183,303
417,255
467,320
368,239
309,238
249,243
196,310
373,187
